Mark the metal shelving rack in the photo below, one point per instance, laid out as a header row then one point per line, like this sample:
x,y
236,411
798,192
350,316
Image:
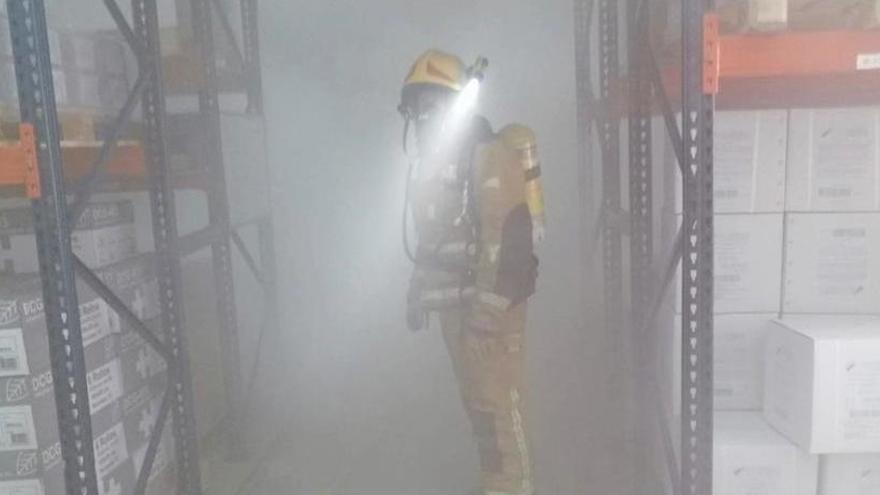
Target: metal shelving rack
x,y
736,71
635,98
39,164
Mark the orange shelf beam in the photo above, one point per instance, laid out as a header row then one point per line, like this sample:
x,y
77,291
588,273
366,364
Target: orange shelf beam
x,y
794,54
793,69
126,162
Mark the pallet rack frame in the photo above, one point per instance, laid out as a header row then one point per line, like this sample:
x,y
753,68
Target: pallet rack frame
x,y
693,247
44,178
829,68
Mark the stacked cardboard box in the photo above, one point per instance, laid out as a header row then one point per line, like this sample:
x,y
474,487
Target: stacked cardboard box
x,y
30,447
797,229
104,234
752,459
96,71
823,393
750,153
180,55
90,80
126,380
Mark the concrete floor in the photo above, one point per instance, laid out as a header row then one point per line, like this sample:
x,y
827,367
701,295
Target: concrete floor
x,y
373,412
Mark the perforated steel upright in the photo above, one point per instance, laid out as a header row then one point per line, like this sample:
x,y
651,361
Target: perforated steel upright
x,y
36,95
609,138
641,223
696,266
146,25
218,213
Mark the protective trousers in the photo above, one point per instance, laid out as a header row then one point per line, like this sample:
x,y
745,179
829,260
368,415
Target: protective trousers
x,y
489,369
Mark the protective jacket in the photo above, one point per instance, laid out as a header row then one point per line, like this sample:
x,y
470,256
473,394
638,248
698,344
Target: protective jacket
x,y
476,269
475,246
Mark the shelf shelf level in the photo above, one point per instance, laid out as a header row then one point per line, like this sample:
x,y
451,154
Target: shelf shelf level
x,y
794,69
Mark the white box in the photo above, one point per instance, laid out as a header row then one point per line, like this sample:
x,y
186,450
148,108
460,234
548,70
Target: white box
x,y
104,235
750,150
104,385
834,160
13,358
822,385
59,80
86,91
21,487
95,247
768,15
111,450
752,459
79,52
17,430
739,362
748,264
849,474
831,263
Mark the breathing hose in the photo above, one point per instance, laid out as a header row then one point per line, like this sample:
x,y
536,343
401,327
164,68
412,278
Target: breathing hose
x,y
409,173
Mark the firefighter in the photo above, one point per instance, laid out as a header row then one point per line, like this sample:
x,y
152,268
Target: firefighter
x,y
469,192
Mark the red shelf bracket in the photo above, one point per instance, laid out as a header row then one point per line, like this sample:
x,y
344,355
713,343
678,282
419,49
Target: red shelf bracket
x,y
28,140
711,54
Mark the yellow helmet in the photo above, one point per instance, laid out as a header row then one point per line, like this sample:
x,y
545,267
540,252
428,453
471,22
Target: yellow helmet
x,y
439,69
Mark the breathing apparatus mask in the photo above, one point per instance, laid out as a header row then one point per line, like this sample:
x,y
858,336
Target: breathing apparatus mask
x,y
439,115
438,112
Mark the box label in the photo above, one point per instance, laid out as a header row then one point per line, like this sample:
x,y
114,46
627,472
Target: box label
x,y
781,398
737,376
860,418
757,480
868,61
842,265
17,429
105,385
21,487
13,356
844,155
95,321
110,450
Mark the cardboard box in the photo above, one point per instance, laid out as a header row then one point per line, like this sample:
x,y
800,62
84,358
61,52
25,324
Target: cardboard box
x,y
834,160
78,52
23,324
750,154
739,362
752,459
103,235
748,264
141,366
134,281
21,487
848,474
84,92
831,264
115,472
112,92
811,15
161,480
59,80
111,53
141,411
823,383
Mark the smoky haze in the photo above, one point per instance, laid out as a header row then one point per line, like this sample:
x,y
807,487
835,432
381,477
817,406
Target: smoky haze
x,y
366,407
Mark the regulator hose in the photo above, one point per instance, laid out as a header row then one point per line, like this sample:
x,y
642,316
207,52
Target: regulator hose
x,y
409,173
